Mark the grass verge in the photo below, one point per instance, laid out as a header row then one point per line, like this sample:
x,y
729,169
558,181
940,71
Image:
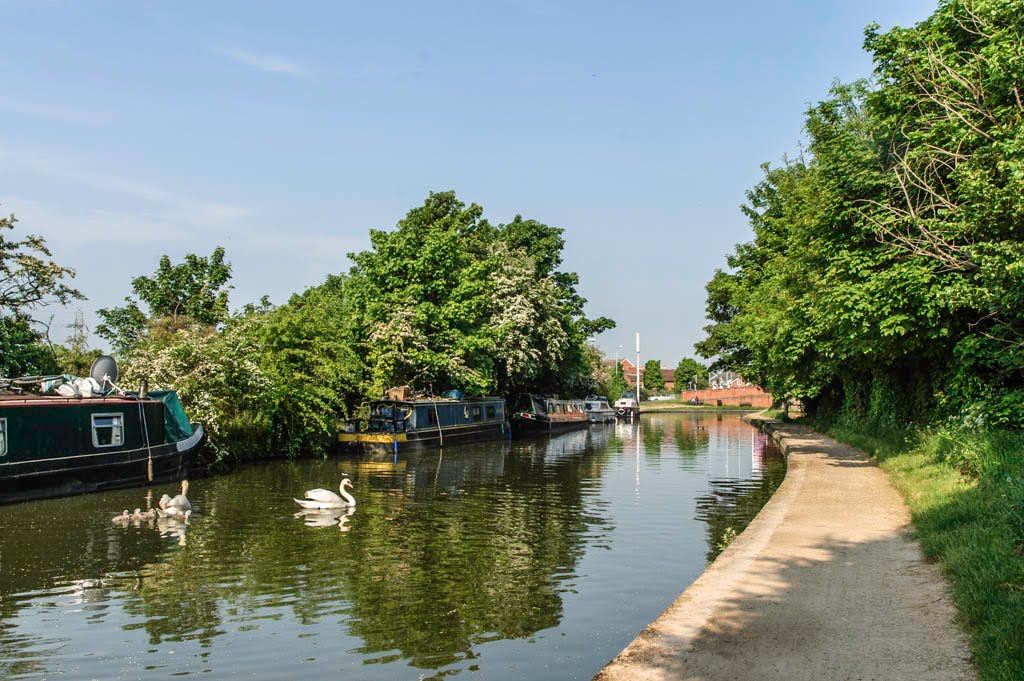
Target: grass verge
x,y
965,490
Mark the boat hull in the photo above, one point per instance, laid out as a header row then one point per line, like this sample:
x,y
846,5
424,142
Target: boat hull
x,y
427,437
73,474
601,415
627,413
526,426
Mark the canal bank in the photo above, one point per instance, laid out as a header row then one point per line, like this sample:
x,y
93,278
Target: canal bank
x,y
827,582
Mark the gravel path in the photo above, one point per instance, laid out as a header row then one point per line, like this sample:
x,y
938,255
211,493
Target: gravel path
x,y
828,582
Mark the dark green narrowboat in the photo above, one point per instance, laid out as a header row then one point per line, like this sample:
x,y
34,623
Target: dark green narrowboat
x,y
542,414
52,445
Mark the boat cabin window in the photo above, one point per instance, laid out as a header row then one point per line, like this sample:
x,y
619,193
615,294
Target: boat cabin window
x,y
491,412
3,437
476,413
107,430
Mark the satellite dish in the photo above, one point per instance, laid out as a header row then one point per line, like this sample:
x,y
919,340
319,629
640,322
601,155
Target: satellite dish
x,y
104,370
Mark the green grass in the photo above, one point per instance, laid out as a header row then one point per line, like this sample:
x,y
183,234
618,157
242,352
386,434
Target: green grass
x,y
965,491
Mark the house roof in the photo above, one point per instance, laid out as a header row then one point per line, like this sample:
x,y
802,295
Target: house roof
x,y
629,370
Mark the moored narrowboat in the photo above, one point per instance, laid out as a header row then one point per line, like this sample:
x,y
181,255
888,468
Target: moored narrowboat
x,y
403,420
540,414
55,445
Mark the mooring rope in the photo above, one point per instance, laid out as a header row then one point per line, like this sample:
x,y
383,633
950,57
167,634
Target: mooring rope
x,y
437,418
149,449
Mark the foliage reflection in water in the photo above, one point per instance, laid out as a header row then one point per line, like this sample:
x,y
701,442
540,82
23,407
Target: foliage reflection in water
x,y
531,559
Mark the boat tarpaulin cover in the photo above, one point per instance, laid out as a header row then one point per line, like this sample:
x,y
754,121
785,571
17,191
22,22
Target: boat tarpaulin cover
x,y
176,425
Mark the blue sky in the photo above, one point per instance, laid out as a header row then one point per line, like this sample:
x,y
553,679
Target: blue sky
x,y
285,131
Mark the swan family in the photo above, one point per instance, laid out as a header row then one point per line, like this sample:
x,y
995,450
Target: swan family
x,y
178,509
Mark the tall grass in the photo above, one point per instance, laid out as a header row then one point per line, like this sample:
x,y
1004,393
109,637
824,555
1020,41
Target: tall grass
x,y
965,490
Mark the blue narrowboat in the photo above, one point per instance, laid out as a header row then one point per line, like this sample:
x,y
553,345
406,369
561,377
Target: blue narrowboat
x,y
402,420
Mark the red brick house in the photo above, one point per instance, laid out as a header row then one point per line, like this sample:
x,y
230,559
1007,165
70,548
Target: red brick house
x,y
629,373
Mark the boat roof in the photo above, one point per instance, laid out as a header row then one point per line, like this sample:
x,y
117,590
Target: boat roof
x,y
13,400
439,400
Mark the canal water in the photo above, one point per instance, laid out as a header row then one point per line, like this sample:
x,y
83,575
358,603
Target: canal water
x,y
530,559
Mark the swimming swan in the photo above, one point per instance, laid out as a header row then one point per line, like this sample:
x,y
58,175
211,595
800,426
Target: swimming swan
x,y
180,502
325,498
172,512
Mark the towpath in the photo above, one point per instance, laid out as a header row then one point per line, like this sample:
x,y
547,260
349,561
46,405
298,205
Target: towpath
x,y
827,583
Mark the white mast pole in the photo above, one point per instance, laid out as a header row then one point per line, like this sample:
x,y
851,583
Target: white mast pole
x,y
638,369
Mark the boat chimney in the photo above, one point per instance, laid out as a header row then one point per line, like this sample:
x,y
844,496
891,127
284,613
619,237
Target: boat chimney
x,y
144,389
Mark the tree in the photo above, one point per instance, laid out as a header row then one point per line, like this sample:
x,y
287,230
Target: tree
x,y
448,300
691,375
217,374
22,350
423,295
614,385
194,291
28,280
307,354
885,275
654,381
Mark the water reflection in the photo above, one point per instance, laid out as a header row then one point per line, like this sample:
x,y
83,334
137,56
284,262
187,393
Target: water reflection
x,y
326,517
501,559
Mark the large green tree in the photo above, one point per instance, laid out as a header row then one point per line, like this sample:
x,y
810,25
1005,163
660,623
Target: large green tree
x,y
654,380
885,273
448,300
193,291
307,352
691,374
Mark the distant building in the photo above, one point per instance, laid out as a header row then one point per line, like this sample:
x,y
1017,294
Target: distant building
x,y
727,379
629,373
670,379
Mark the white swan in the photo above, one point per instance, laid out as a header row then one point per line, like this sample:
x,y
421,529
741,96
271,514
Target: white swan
x,y
121,519
325,498
180,502
172,512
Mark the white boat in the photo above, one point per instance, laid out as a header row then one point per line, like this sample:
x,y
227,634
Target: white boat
x,y
598,409
626,407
